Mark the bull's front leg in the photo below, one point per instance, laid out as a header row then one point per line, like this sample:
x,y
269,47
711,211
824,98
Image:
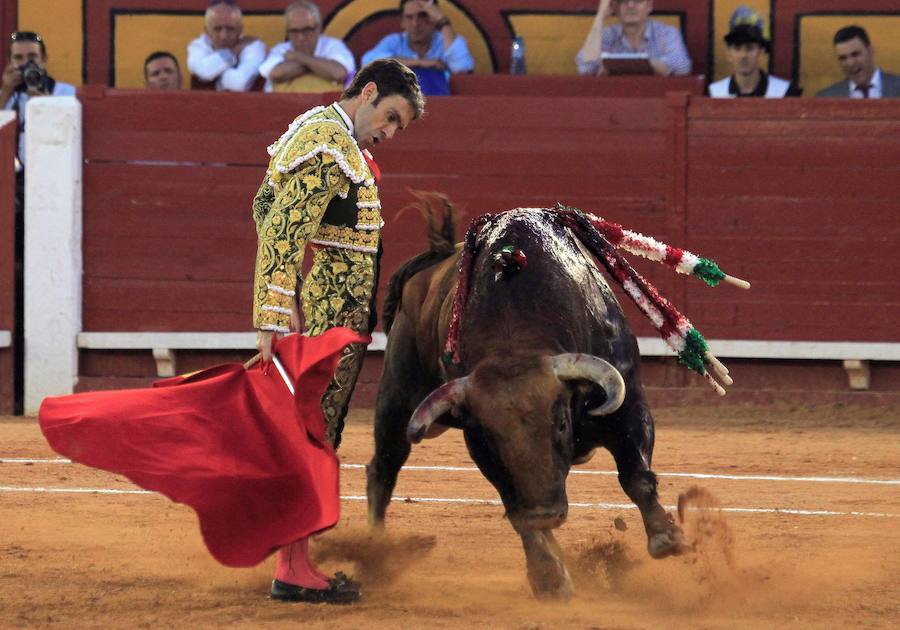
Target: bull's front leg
x,y
391,452
392,412
547,572
633,451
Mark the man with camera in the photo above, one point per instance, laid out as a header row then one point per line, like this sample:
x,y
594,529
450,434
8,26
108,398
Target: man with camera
x,y
26,76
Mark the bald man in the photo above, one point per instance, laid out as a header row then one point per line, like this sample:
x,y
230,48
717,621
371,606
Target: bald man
x,y
223,55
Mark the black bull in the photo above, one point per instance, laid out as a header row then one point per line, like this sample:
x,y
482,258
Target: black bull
x,y
538,339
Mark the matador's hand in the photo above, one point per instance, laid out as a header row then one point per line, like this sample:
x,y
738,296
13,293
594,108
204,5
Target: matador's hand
x,y
264,340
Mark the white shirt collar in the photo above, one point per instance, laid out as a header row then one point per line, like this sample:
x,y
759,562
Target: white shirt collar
x,y
874,84
347,120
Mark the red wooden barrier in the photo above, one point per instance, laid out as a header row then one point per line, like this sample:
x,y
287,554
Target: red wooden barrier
x,y
7,262
802,199
168,240
796,196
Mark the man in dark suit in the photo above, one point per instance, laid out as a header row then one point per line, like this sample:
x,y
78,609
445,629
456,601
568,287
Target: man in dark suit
x,y
856,55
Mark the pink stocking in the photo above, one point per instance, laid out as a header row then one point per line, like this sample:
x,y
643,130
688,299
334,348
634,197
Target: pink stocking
x,y
293,566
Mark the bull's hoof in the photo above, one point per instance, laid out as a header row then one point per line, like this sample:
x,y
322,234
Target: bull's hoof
x,y
669,542
552,585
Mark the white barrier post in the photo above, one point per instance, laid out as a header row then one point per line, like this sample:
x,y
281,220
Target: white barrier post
x,y
6,117
53,265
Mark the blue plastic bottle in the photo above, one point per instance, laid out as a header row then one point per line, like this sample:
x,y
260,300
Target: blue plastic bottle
x,y
517,56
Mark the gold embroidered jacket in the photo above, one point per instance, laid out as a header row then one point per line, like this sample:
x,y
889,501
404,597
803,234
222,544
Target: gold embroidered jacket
x,y
318,189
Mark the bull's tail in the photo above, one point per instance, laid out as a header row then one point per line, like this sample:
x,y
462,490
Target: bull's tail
x,y
440,217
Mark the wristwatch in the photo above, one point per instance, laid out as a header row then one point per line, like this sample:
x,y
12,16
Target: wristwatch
x,y
444,21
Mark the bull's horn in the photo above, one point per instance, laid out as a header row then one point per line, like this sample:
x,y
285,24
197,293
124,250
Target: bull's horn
x,y
438,402
591,368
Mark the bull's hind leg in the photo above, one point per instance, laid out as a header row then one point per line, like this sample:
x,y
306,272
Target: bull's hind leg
x,y
392,412
633,452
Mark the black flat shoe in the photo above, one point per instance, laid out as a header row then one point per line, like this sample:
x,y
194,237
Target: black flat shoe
x,y
340,590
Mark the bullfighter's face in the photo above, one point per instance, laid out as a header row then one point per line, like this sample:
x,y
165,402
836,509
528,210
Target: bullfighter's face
x,y
378,119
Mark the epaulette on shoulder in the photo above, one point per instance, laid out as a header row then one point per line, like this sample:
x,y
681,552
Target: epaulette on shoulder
x,y
312,134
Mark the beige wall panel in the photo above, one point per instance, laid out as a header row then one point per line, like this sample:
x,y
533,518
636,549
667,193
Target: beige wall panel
x,y
59,24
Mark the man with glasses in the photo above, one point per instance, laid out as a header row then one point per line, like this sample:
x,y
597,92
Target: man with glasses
x,y
428,45
307,61
635,33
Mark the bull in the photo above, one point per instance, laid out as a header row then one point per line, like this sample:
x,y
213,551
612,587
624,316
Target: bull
x,y
546,370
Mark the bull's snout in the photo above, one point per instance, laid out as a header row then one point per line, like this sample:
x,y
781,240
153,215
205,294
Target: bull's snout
x,y
539,518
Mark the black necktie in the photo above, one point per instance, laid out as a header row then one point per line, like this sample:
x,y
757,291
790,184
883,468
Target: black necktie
x,y
864,89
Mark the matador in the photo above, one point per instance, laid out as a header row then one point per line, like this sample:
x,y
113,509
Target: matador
x,y
321,189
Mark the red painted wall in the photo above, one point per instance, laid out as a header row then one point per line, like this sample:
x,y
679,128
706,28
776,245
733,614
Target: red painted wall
x,y
7,260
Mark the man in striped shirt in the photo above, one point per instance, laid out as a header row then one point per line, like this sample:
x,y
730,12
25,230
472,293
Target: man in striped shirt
x,y
635,33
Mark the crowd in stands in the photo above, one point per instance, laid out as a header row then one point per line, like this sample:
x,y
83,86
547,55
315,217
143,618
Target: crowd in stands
x,y
224,58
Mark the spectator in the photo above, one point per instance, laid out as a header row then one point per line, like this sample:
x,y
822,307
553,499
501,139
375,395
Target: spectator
x,y
307,61
428,45
26,76
634,33
746,44
223,56
161,71
856,55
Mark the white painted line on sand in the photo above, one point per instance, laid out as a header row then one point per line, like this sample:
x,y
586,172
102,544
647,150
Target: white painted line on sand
x,y
496,502
603,473
612,473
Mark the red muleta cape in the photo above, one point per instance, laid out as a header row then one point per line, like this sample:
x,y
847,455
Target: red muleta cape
x,y
229,442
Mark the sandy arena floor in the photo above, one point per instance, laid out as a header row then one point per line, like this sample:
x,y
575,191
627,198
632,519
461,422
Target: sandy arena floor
x,y
830,558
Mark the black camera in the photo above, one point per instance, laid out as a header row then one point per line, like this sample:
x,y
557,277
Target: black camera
x,y
33,77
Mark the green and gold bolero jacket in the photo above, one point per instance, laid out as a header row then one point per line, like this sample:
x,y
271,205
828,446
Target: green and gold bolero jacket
x,y
318,189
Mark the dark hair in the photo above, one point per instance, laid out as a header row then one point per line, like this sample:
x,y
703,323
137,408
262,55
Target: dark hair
x,y
391,77
160,54
27,36
403,2
852,32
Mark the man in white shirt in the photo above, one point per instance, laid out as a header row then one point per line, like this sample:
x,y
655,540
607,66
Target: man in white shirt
x,y
223,56
320,62
856,54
